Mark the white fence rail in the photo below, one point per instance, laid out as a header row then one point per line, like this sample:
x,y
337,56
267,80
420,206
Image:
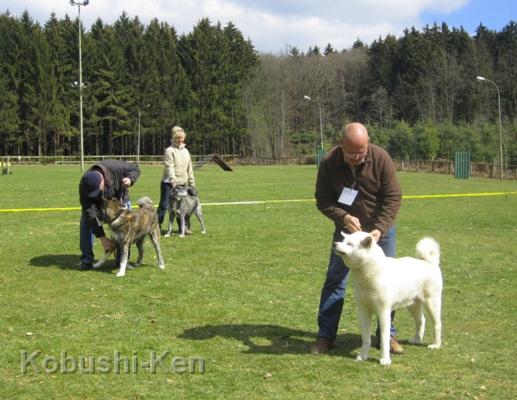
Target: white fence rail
x,y
89,160
487,170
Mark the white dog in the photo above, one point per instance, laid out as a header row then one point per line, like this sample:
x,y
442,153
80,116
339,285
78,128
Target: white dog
x,y
384,283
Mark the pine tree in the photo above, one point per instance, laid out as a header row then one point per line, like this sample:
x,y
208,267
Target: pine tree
x,y
9,118
27,81
328,50
107,90
59,83
168,87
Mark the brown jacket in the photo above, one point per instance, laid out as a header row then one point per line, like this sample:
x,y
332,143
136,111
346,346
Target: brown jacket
x,y
379,197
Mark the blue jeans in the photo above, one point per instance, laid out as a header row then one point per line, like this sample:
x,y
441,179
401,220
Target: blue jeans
x,y
86,239
334,288
165,194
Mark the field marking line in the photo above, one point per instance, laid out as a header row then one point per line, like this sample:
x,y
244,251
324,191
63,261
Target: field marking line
x,y
16,210
440,196
255,202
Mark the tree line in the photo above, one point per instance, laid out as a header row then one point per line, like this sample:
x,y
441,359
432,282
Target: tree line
x,y
131,73
417,93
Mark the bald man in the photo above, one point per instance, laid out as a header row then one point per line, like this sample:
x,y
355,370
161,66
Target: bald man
x,y
357,188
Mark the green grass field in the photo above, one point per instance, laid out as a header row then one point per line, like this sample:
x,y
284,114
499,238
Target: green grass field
x,y
244,297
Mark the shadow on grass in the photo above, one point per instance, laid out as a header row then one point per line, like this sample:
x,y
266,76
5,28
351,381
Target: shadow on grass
x,y
66,261
273,339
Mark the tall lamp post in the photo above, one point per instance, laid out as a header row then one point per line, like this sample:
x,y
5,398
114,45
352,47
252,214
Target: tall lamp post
x,y
305,97
138,136
481,79
79,4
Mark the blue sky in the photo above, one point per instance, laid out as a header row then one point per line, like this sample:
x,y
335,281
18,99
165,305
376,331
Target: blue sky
x,y
495,14
274,26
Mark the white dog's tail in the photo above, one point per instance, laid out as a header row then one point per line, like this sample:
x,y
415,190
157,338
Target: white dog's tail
x,y
145,202
428,249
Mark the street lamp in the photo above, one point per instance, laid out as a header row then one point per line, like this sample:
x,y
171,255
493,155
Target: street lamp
x,y
138,136
305,97
481,79
79,4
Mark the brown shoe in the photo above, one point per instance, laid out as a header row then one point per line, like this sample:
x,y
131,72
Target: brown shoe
x,y
395,347
322,346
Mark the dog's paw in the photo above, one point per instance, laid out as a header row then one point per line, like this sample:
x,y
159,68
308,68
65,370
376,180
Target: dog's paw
x,y
434,346
120,274
203,232
385,361
167,235
182,236
97,265
360,357
161,266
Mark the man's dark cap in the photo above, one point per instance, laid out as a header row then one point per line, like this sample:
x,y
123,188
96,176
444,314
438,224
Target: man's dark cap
x,y
90,183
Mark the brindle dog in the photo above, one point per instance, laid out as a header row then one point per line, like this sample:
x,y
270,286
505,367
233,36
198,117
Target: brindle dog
x,y
131,226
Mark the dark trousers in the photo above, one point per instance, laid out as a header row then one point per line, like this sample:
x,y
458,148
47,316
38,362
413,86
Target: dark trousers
x,y
165,195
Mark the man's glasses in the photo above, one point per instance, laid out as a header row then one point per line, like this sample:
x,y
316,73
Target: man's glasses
x,y
356,154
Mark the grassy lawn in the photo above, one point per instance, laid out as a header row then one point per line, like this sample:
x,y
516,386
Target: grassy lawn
x,y
243,299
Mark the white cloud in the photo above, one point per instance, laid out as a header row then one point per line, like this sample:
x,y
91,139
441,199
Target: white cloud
x,y
271,25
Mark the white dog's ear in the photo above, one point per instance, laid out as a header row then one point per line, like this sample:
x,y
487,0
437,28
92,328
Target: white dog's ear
x,y
367,242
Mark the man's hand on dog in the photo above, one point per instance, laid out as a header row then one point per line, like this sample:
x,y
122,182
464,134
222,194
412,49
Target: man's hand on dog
x,y
106,244
126,182
352,223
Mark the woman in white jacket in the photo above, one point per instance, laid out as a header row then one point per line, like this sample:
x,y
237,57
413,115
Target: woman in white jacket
x,y
177,171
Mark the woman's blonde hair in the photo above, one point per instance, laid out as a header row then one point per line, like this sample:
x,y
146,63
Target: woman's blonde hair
x,y
176,131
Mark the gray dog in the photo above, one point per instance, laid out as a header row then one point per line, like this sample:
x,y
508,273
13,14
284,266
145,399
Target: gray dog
x,y
183,203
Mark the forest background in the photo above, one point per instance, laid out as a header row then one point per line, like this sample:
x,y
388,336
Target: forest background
x,y
417,93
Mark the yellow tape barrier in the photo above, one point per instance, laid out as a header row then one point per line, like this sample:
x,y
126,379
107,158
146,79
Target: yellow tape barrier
x,y
441,196
232,203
